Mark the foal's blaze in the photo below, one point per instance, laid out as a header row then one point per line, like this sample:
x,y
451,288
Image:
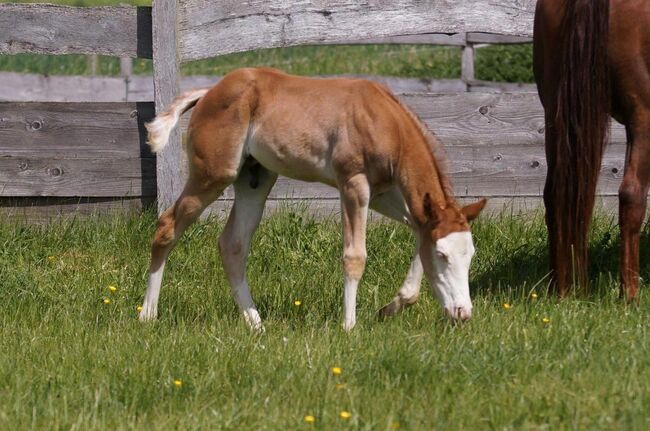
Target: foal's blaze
x,y
351,134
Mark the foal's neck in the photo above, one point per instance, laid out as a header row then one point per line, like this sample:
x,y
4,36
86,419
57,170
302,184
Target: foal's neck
x,y
419,174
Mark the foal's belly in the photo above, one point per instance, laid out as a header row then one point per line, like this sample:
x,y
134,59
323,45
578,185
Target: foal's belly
x,y
303,158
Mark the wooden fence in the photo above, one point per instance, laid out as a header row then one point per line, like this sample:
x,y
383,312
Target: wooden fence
x,y
66,149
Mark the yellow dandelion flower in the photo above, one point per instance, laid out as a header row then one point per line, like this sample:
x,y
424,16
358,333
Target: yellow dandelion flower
x,y
546,320
506,306
178,383
345,415
310,419
139,308
533,295
395,425
107,301
337,371
297,303
112,288
340,386
51,258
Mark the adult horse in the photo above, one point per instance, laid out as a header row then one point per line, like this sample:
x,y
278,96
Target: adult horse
x,y
351,134
592,60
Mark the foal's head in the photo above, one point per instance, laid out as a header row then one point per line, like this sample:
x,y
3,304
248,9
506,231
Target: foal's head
x,y
446,252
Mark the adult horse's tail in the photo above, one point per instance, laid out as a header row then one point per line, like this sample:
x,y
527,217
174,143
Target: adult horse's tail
x,y
580,130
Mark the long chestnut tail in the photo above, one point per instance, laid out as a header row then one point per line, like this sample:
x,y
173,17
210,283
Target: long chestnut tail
x,y
581,127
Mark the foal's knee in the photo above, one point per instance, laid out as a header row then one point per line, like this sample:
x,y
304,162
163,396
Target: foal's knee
x,y
354,264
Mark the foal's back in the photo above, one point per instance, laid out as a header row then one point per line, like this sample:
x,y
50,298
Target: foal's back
x,y
303,128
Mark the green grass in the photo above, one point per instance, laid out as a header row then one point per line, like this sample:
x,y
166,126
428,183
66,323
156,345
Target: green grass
x,y
68,361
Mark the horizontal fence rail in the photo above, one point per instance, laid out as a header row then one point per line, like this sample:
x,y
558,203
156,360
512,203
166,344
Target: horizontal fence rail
x,y
208,29
49,29
21,87
75,149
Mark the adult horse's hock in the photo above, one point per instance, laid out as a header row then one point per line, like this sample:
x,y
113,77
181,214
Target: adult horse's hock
x,y
592,59
351,134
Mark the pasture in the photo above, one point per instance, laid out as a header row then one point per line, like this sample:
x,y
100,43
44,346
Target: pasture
x,y
74,356
71,361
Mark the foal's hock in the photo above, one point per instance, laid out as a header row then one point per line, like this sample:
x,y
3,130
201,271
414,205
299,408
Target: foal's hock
x,y
350,134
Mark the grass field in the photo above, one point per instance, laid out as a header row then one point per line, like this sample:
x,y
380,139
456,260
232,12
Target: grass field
x,y
70,361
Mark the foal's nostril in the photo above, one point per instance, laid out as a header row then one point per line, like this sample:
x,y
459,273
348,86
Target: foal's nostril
x,y
461,313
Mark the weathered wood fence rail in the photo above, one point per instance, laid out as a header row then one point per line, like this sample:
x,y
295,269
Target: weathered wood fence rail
x,y
65,148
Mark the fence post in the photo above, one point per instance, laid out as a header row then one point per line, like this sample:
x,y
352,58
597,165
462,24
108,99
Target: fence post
x,y
467,64
166,84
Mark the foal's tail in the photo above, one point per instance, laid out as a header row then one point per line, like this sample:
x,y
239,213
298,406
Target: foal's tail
x,y
160,128
581,125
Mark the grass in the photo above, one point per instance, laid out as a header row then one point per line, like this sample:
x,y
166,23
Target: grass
x,y
69,361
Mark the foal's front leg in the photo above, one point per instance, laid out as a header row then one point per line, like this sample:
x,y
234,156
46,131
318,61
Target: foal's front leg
x,y
355,195
410,291
392,205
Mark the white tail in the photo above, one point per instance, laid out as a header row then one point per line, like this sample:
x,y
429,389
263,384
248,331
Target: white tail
x,y
160,128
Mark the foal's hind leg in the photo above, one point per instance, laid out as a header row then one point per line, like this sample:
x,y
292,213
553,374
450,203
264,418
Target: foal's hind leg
x,y
632,205
251,190
392,205
355,197
171,225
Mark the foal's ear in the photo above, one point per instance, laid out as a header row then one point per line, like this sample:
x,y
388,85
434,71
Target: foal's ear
x,y
427,205
472,211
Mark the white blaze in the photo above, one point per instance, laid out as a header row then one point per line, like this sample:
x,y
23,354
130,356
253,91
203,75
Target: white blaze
x,y
452,256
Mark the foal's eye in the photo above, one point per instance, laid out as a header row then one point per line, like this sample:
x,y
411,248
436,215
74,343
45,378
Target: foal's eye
x,y
441,255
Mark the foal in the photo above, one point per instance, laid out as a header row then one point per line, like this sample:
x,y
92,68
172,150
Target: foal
x,y
351,134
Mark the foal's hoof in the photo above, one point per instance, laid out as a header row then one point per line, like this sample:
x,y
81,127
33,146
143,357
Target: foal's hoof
x,y
390,309
147,315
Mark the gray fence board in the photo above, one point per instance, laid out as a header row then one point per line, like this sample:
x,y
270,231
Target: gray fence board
x,y
74,130
209,29
89,177
30,87
166,64
123,31
46,209
493,38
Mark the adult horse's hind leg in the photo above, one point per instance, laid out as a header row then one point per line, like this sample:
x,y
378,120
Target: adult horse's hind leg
x,y
391,204
251,190
171,225
633,203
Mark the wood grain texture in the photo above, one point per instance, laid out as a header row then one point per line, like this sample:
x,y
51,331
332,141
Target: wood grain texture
x,y
123,31
166,63
30,87
44,210
68,177
74,130
493,38
208,29
467,64
456,39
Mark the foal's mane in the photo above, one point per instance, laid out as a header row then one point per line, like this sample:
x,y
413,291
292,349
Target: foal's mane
x,y
438,154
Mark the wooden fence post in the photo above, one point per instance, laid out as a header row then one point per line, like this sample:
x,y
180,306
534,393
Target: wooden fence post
x,y
467,63
166,72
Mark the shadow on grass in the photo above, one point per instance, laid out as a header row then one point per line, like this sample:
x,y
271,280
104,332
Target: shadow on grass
x,y
526,267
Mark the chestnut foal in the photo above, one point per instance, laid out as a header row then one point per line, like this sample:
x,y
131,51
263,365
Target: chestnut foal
x,y
351,134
